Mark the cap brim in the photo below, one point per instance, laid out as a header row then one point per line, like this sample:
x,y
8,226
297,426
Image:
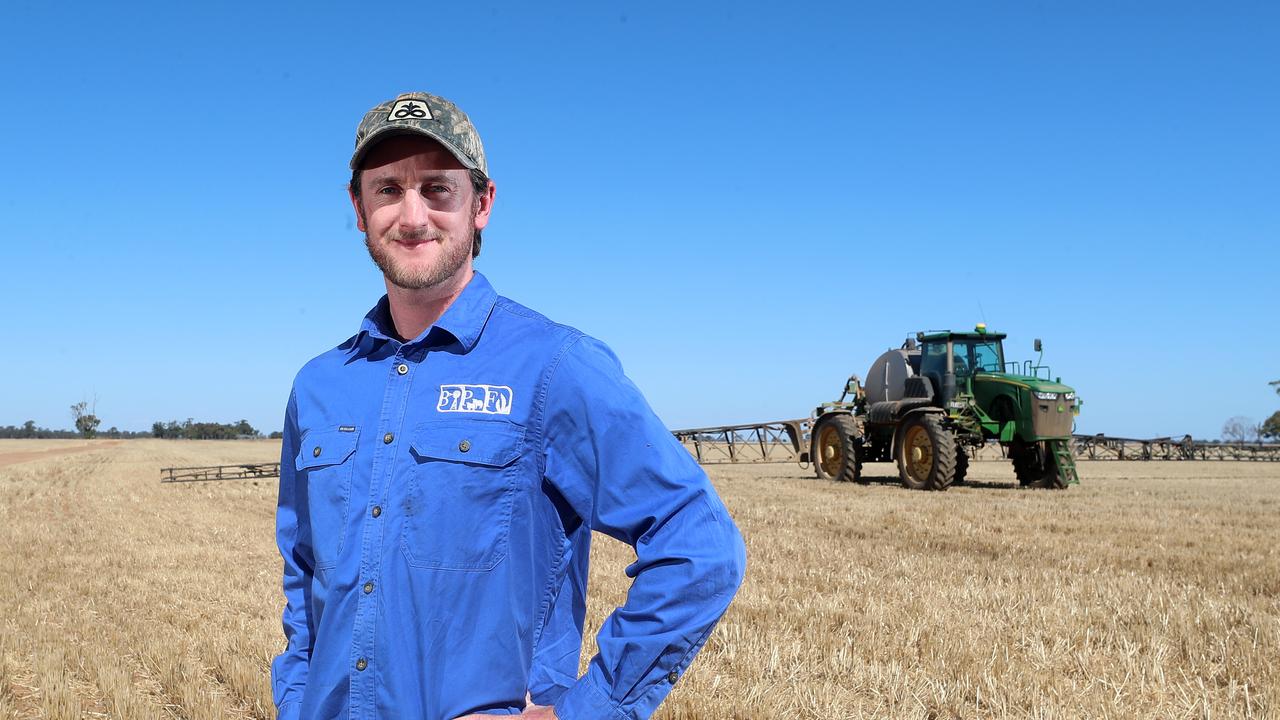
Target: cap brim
x,y
392,130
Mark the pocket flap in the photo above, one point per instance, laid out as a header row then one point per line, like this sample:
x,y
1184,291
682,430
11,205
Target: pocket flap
x,y
326,447
478,442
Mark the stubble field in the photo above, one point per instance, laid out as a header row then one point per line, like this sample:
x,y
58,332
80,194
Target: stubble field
x,y
1150,591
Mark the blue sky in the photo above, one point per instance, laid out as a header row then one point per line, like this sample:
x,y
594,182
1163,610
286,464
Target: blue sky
x,y
748,201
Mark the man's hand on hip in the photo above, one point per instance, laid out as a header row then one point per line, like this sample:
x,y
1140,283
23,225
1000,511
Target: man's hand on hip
x,y
531,711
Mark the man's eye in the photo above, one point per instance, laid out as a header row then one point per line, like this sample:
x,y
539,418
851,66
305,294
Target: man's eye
x,y
389,190
437,188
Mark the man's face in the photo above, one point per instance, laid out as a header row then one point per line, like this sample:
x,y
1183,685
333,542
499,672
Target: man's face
x,y
418,211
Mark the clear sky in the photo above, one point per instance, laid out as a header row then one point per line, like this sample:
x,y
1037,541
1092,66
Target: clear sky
x,y
747,201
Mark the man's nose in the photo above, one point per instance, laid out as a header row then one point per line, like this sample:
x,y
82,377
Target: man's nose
x,y
413,211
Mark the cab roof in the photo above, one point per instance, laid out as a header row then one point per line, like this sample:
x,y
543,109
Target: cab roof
x,y
944,335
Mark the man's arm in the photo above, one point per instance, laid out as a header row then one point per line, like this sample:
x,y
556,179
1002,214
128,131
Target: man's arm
x,y
289,669
626,475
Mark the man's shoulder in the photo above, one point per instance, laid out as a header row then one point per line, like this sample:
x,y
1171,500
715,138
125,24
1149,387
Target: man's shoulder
x,y
523,313
556,344
326,362
512,315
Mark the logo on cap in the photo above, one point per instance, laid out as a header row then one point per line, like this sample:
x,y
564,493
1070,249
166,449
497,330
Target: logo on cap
x,y
410,110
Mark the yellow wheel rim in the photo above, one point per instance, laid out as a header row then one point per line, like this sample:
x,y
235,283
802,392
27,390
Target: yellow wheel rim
x,y
919,449
830,453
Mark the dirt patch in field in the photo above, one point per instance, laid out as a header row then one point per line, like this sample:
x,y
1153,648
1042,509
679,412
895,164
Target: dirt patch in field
x,y
18,456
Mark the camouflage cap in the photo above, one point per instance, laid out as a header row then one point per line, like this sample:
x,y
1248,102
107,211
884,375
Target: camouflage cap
x,y
419,113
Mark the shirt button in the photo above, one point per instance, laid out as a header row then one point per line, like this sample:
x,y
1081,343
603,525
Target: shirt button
x,y
388,438
464,446
361,664
368,588
402,368
377,510
316,452
672,677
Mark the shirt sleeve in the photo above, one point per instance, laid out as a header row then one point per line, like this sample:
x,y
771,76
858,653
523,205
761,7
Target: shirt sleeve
x,y
627,476
289,669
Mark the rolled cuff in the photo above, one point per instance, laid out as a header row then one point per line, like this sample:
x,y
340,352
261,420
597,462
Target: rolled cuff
x,y
586,700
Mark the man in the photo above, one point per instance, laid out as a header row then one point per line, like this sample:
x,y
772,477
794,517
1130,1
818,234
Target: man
x,y
442,471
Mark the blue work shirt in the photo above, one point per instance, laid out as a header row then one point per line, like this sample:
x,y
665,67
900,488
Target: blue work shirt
x,y
436,502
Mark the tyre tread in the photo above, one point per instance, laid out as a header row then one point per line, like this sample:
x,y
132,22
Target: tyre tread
x,y
943,472
847,429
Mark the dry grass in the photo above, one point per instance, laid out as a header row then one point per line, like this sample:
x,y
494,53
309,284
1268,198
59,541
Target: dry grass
x,y
1153,590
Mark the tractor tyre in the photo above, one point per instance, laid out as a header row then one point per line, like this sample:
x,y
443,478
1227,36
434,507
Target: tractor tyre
x,y
962,465
1035,467
926,453
835,452
1025,463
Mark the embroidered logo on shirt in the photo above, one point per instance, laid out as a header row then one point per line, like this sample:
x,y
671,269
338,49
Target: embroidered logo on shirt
x,y
489,399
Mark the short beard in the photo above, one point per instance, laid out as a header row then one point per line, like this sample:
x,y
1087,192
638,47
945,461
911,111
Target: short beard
x,y
432,276
445,268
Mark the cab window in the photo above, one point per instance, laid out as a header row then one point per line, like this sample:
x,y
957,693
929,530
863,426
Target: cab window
x,y
987,356
933,360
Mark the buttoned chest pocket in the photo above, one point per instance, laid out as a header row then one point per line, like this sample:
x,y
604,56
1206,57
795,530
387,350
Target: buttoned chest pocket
x,y
325,463
461,491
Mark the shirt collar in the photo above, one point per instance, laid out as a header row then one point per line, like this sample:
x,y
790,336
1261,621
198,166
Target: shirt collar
x,y
464,319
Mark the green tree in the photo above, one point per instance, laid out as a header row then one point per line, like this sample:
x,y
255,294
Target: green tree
x,y
86,421
1271,427
29,429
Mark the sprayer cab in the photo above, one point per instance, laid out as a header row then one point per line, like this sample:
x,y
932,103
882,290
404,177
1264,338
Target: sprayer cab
x,y
951,359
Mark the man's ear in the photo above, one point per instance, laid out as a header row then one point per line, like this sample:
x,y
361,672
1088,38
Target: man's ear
x,y
355,203
485,205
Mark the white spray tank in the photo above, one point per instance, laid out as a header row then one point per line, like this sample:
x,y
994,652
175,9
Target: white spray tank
x,y
887,378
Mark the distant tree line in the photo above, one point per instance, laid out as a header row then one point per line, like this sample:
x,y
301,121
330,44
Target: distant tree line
x,y
191,430
30,431
187,430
